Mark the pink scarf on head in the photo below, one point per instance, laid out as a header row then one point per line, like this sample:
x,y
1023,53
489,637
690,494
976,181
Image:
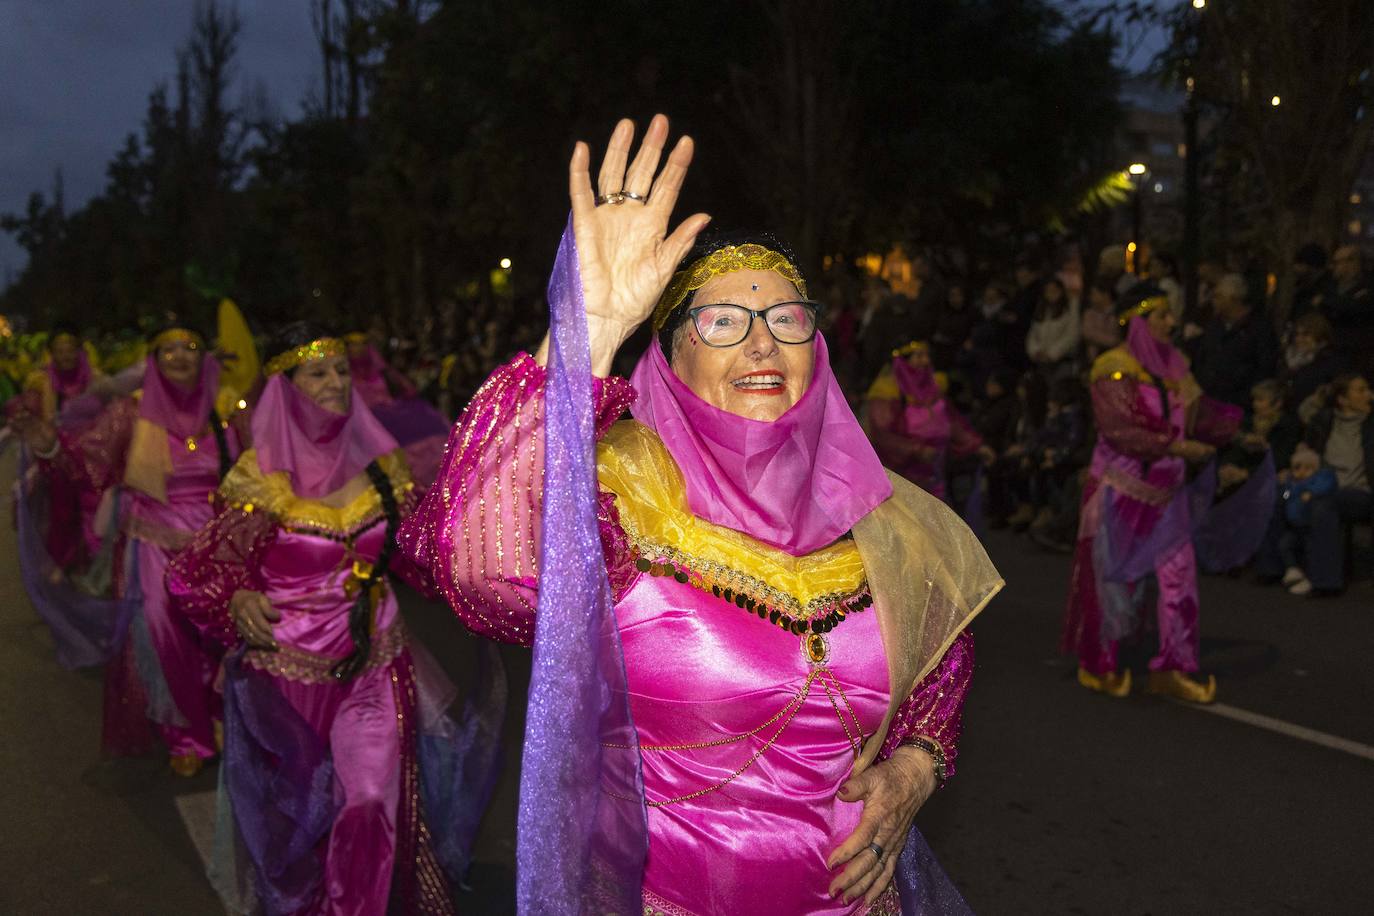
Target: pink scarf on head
x,y
797,483
918,385
166,409
320,450
1159,358
71,383
369,377
180,411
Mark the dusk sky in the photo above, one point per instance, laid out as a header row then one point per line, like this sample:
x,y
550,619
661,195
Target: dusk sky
x,y
75,77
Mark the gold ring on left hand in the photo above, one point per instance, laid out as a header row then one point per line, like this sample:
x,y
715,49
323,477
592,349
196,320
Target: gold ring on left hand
x,y
631,195
615,197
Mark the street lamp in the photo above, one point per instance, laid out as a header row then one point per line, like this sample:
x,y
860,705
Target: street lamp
x,y
1276,101
1199,4
1138,170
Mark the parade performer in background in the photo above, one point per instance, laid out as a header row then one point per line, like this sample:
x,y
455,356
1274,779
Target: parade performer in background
x,y
912,425
1139,514
792,617
162,454
324,709
414,422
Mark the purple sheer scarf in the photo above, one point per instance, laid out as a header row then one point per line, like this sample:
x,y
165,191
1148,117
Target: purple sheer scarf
x,y
923,886
320,449
583,829
917,384
86,630
797,483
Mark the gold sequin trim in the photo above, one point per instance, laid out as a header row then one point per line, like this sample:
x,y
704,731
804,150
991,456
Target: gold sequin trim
x,y
303,667
247,488
316,349
724,260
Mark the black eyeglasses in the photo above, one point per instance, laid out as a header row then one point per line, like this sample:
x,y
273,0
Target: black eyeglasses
x,y
724,324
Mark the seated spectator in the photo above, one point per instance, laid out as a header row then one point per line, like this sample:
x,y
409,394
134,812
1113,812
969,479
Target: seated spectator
x,y
1009,479
1343,435
1312,283
1309,362
1236,349
1100,331
1307,480
1061,450
951,329
1351,308
1052,340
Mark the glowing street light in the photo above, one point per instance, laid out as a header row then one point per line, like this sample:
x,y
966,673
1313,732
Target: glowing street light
x,y
1137,168
1199,4
1276,101
505,263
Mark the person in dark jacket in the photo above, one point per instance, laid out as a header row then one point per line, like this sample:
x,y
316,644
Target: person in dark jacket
x,y
1237,348
1351,308
1310,361
1343,435
1312,282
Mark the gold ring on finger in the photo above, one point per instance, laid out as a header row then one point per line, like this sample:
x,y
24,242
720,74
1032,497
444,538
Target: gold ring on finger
x,y
631,195
615,197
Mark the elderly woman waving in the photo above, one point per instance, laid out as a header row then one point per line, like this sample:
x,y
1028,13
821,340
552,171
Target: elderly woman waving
x,y
791,615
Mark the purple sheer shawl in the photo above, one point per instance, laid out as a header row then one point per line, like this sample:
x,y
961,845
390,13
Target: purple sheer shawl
x,y
183,412
797,483
86,629
320,449
1159,358
583,828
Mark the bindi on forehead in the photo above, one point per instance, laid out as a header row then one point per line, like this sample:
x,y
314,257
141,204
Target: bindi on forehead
x,y
754,287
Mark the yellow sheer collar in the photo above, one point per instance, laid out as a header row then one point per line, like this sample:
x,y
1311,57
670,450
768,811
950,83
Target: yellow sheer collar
x,y
634,464
246,487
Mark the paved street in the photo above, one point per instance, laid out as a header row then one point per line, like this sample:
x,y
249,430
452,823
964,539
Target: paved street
x,y
1065,802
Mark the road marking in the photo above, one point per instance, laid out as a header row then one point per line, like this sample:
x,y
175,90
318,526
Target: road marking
x,y
1301,732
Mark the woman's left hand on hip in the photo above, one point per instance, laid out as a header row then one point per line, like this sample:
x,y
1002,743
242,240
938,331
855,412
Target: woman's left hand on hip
x,y
891,792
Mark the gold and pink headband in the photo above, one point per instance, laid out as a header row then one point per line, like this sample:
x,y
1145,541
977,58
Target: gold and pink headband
x,y
724,260
316,349
1143,307
178,335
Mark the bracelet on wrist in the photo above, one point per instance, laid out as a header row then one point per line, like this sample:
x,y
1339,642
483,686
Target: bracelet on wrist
x,y
936,753
50,452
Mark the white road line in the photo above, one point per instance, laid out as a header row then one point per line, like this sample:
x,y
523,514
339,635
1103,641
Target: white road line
x,y
1301,732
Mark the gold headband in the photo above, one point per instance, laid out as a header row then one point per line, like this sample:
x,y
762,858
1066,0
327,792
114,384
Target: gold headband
x,y
316,349
1144,307
725,260
179,335
61,334
355,337
908,349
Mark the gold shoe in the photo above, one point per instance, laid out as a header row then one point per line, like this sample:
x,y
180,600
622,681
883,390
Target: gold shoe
x,y
1113,684
1180,686
186,765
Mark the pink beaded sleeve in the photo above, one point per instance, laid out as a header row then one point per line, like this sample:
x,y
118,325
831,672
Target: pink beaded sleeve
x,y
220,560
477,529
934,710
1125,423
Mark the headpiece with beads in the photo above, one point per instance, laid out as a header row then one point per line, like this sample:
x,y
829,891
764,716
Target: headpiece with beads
x,y
318,348
725,259
1143,307
907,349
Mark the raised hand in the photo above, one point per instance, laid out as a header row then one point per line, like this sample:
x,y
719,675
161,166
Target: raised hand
x,y
624,252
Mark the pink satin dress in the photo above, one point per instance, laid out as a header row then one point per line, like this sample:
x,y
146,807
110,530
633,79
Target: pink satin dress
x,y
368,723
744,742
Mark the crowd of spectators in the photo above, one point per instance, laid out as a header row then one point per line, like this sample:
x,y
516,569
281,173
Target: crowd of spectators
x,y
1013,352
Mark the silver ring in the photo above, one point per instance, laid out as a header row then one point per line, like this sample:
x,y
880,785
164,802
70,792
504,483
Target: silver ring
x,y
631,195
877,850
615,197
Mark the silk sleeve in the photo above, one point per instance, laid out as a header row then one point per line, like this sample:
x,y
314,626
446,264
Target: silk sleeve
x,y
934,710
1215,422
93,458
477,530
221,559
1124,422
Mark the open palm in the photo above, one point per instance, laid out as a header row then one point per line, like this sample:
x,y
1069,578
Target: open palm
x,y
624,252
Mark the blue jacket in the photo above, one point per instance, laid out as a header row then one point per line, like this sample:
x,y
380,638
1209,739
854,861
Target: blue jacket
x,y
1298,510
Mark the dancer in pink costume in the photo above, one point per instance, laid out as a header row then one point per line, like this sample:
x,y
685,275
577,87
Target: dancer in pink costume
x,y
324,701
166,449
415,423
913,426
1137,517
792,616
